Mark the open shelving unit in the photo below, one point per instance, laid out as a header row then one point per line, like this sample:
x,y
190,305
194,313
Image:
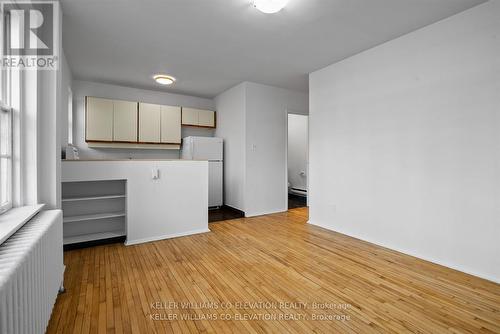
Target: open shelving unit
x,y
92,237
90,198
93,216
94,210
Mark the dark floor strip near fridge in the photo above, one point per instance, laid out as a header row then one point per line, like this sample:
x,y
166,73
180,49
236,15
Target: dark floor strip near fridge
x,y
296,201
224,213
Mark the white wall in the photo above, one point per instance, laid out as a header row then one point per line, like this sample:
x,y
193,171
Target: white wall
x,y
252,118
66,84
47,153
48,130
266,141
405,143
85,88
230,107
297,150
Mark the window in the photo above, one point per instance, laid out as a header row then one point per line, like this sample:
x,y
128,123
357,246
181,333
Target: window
x,y
5,157
5,133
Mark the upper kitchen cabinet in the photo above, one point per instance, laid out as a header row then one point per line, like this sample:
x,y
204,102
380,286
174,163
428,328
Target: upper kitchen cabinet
x,y
198,117
149,123
127,124
190,116
99,119
170,129
206,118
124,121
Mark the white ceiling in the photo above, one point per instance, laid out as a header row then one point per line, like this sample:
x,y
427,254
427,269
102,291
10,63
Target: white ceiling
x,y
212,45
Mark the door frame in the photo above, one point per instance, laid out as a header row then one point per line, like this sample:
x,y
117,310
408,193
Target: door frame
x,y
294,112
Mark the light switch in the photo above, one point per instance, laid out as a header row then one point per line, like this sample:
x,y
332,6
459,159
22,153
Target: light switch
x,y
155,175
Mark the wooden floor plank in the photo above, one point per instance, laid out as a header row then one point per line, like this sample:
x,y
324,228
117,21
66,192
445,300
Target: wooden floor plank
x,y
270,260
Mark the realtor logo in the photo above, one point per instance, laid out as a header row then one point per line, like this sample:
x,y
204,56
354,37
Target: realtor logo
x,y
30,34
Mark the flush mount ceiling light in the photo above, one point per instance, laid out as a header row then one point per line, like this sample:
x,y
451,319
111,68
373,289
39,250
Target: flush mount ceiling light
x,y
270,6
163,79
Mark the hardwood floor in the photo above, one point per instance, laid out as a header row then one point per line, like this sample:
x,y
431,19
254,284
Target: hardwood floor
x,y
266,261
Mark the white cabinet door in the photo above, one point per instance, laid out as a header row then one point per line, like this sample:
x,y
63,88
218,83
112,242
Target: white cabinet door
x,y
170,124
190,116
206,118
99,119
125,121
149,123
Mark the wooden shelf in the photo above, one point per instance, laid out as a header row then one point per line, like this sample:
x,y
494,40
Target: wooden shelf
x,y
91,198
91,237
96,216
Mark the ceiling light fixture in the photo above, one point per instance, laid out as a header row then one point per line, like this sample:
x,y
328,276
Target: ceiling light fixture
x,y
270,6
163,79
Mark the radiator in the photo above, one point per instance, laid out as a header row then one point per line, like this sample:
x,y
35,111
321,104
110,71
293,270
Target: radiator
x,y
31,273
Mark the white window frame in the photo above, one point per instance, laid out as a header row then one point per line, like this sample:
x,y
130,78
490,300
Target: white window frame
x,y
6,133
70,116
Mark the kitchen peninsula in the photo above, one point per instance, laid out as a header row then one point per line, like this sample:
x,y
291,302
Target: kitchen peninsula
x,y
142,200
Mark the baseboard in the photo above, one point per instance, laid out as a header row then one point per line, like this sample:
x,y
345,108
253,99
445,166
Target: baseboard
x,y
263,213
418,256
163,237
326,227
61,287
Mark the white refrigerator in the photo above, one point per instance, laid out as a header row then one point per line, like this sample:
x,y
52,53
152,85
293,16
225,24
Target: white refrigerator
x,y
211,149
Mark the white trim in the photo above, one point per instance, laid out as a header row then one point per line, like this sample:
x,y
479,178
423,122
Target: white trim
x,y
28,148
321,225
453,266
5,207
306,193
14,219
16,96
168,236
61,287
7,117
70,124
267,212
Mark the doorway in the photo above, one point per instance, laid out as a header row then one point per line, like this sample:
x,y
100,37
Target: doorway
x,y
297,160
